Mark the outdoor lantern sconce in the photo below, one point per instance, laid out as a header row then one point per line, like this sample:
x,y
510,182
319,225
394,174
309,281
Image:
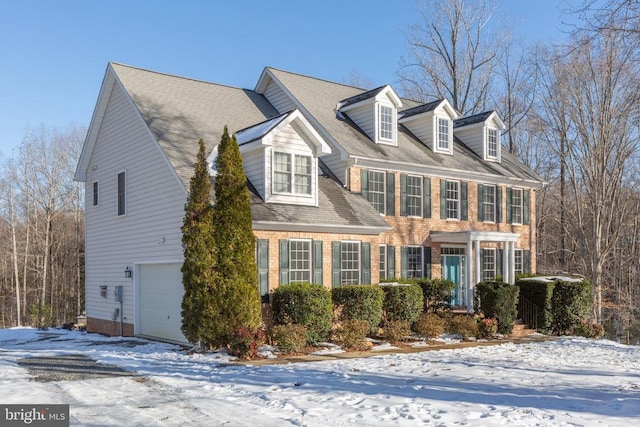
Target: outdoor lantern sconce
x,y
128,273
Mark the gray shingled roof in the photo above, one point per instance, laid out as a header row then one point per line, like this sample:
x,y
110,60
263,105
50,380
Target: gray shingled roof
x,y
320,98
181,111
420,109
476,118
361,97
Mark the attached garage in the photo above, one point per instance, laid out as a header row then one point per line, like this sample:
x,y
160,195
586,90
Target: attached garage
x,y
159,299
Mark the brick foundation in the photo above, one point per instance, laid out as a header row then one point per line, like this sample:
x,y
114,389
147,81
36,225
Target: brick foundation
x,y
108,327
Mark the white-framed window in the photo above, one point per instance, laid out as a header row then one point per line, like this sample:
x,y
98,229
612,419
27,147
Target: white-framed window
x,y
493,141
292,174
350,263
122,194
377,194
382,264
444,133
489,264
414,195
489,203
385,123
414,262
95,193
453,199
300,260
516,205
518,261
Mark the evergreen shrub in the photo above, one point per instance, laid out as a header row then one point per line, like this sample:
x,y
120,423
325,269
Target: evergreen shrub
x,y
361,302
571,304
305,304
500,301
402,302
539,293
436,294
289,338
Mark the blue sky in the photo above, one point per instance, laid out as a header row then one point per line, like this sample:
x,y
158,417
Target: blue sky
x,y
54,53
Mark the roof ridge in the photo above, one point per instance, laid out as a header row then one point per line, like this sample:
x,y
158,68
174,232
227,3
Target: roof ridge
x,y
133,67
320,79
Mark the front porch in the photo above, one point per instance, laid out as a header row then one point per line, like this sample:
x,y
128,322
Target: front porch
x,y
462,262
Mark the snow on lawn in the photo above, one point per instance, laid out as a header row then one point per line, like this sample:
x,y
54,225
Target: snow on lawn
x,y
571,381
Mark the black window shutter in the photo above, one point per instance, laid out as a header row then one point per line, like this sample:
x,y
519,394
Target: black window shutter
x,y
509,201
284,262
499,269
403,195
364,183
391,194
480,202
335,264
391,262
404,267
427,262
443,199
464,205
526,261
262,257
525,207
317,262
498,204
366,264
426,210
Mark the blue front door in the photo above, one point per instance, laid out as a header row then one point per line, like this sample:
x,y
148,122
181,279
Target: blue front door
x,y
453,269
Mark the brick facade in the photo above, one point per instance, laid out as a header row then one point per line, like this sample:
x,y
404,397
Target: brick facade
x,y
108,327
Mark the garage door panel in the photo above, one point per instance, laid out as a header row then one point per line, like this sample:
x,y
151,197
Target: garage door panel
x,y
160,299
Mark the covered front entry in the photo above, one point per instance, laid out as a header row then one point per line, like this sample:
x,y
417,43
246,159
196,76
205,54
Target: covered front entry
x,y
453,261
461,261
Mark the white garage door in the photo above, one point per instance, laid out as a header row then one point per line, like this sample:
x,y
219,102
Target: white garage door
x,y
160,298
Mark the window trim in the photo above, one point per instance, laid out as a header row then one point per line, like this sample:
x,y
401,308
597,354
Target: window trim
x,y
497,143
309,260
437,138
379,124
121,207
458,200
419,198
517,208
384,190
95,193
357,270
484,263
493,203
420,263
519,251
292,155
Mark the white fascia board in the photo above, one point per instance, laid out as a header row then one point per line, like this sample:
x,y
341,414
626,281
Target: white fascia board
x,y
467,236
391,95
299,119
497,121
323,228
446,108
443,172
265,77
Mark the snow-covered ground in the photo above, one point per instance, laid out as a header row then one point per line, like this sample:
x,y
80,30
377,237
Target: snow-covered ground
x,y
570,381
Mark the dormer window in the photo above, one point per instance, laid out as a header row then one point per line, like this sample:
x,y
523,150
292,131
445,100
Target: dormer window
x,y
444,134
291,174
385,123
493,141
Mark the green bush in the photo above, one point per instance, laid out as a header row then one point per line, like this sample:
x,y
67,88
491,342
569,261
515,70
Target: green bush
x,y
463,325
244,342
487,328
571,304
500,301
539,294
588,329
305,304
361,302
436,294
352,334
402,302
289,338
396,330
429,325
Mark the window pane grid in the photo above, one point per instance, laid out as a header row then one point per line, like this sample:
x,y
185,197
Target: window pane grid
x,y
282,173
443,134
382,265
350,263
300,260
303,174
518,261
453,199
492,143
516,206
489,264
489,198
414,196
376,190
386,122
414,262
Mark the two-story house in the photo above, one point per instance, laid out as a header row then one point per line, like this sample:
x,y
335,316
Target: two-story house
x,y
347,186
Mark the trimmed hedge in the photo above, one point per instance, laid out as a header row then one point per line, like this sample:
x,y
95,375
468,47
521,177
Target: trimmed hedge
x,y
500,301
571,304
436,294
360,302
539,293
304,304
402,302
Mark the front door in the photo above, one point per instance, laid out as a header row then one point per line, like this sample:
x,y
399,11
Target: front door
x,y
453,269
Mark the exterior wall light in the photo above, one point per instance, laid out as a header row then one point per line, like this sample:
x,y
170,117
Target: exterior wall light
x,y
128,273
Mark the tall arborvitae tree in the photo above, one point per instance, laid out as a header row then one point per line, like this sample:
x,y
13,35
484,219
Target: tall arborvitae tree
x,y
198,246
235,243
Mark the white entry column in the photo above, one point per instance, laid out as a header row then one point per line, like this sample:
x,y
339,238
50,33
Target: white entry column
x,y
506,268
469,277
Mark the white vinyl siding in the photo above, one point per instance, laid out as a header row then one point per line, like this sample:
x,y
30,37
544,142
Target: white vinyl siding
x,y
255,167
155,208
278,98
365,118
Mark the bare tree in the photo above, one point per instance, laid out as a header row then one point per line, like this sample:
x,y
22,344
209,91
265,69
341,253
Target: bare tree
x,y
452,54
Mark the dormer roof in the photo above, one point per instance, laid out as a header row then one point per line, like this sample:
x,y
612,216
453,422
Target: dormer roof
x,y
479,118
370,95
430,107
